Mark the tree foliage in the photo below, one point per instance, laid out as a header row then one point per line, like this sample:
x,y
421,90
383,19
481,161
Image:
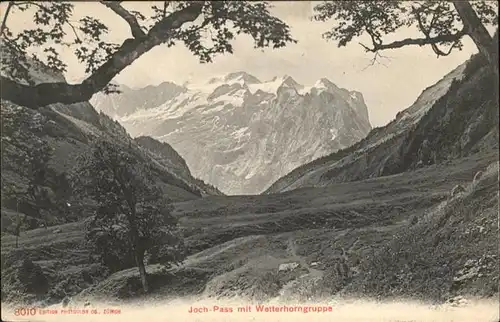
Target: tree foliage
x,y
133,219
206,28
21,129
26,153
442,24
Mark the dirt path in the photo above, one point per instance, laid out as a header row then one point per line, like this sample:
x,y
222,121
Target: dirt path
x,y
290,288
292,248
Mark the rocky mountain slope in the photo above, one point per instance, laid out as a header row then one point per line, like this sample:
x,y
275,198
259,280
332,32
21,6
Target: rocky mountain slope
x,y
131,100
68,131
241,134
455,117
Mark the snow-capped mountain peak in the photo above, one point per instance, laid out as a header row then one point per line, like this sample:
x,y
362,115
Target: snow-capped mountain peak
x,y
290,82
249,132
242,76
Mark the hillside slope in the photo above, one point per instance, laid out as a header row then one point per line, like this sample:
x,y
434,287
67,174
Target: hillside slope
x,y
455,117
451,251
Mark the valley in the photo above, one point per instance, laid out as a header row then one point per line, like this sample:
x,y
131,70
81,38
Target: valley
x,y
237,243
374,221
234,193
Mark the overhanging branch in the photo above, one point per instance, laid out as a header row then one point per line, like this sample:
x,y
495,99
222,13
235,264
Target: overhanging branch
x,y
49,93
417,41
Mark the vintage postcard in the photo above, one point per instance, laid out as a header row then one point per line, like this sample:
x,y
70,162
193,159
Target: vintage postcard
x,y
250,161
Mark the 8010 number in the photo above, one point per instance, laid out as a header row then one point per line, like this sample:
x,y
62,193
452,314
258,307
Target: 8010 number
x,y
25,311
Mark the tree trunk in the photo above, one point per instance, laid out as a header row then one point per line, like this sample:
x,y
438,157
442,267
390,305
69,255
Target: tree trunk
x,y
139,254
17,240
139,260
486,45
138,251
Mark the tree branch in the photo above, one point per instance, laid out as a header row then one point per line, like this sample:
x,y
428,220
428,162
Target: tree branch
x,y
131,49
427,33
127,16
4,20
78,40
165,5
417,41
376,59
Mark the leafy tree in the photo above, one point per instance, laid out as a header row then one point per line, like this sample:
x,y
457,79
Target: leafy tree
x,y
205,27
16,227
20,220
37,170
443,24
28,155
133,218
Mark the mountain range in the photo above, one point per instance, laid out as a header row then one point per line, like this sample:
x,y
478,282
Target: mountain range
x,y
241,134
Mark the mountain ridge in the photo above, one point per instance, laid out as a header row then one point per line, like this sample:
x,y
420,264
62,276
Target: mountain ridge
x,y
386,150
242,78
249,131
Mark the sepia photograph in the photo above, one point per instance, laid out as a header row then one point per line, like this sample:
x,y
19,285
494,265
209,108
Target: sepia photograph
x,y
274,161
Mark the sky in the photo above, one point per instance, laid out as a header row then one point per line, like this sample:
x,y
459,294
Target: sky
x,y
387,88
